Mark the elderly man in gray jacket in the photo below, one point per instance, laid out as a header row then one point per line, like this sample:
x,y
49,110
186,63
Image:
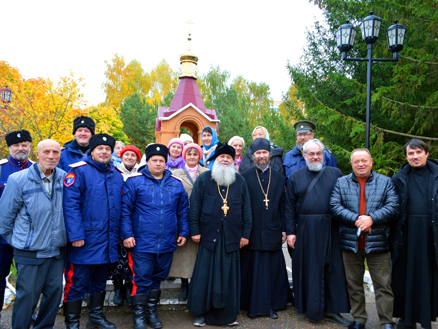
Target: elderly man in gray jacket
x,y
32,222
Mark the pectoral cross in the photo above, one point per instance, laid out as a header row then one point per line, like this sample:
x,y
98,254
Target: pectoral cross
x,y
225,208
266,201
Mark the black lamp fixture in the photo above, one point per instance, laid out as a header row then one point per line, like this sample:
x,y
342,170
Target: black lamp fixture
x,y
370,28
6,96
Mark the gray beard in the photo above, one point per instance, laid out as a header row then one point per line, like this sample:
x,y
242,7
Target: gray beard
x,y
299,146
21,156
223,176
314,167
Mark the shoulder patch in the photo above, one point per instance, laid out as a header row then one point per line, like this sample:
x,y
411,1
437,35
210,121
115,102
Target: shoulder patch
x,y
120,170
135,175
69,179
176,178
78,164
3,161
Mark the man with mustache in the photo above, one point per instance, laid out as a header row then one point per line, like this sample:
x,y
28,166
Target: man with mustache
x,y
318,273
154,212
294,159
19,143
92,205
220,221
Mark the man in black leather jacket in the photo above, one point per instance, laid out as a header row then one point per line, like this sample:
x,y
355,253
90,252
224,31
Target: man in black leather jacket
x,y
365,204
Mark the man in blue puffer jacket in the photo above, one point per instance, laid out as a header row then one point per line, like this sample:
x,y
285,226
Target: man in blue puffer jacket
x,y
154,213
92,202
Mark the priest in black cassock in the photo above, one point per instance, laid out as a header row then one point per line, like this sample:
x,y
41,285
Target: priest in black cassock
x,y
220,221
415,244
320,287
265,285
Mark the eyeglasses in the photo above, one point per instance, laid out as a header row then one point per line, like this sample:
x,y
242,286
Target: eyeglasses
x,y
304,135
312,154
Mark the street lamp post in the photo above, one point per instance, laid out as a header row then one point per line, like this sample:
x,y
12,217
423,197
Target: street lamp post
x,y
6,96
370,27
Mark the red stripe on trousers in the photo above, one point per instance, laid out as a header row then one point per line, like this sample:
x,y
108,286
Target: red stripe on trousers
x,y
69,282
131,266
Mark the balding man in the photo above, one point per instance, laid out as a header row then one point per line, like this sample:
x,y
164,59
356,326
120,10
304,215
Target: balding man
x,y
32,222
365,204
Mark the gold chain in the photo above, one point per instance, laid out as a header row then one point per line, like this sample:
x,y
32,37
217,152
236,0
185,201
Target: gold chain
x,y
263,191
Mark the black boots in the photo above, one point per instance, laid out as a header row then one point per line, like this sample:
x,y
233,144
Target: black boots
x,y
138,306
96,319
151,310
2,296
72,313
184,290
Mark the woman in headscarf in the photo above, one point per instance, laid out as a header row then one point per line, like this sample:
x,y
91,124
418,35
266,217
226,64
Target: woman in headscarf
x,y
174,158
120,272
275,155
186,139
184,257
209,142
116,157
238,143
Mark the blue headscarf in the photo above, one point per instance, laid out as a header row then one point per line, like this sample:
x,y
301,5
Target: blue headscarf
x,y
205,149
214,140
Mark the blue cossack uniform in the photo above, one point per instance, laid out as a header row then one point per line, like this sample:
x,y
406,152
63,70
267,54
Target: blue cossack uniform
x,y
92,205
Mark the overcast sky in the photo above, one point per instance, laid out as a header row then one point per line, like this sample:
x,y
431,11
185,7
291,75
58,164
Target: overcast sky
x,y
254,39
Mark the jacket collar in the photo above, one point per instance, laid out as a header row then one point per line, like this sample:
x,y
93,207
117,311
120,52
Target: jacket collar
x,y
16,162
296,151
34,173
432,164
99,166
145,171
73,146
369,179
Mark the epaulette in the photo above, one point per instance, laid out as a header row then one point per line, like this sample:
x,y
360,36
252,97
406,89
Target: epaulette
x,y
63,148
176,178
120,170
31,161
78,164
135,175
3,161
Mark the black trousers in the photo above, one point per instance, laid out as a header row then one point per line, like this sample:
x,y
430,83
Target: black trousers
x,y
36,276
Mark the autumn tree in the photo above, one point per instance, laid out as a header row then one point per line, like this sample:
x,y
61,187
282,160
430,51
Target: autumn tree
x,y
39,105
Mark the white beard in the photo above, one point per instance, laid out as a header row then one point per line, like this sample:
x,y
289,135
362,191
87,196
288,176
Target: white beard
x,y
224,176
314,166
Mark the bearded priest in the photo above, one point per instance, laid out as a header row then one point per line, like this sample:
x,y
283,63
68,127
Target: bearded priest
x,y
265,286
320,286
220,221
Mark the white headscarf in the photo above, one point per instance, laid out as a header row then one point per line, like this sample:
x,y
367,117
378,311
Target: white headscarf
x,y
185,138
236,138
